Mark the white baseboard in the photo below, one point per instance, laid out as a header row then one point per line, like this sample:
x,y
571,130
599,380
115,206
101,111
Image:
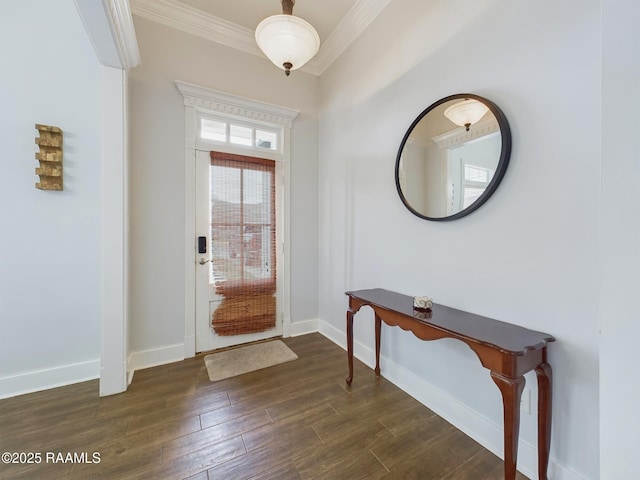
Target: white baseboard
x,y
35,381
303,328
130,369
460,415
190,345
155,357
113,381
175,353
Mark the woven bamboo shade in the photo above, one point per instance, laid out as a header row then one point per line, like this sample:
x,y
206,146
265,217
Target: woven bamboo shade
x,y
243,239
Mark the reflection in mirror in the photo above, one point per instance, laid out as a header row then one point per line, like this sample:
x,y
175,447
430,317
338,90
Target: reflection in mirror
x,y
453,157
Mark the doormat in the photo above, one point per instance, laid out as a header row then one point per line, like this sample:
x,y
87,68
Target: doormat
x,y
247,359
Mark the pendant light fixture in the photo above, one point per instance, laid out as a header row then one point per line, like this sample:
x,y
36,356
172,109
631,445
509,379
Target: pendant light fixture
x,y
288,41
466,113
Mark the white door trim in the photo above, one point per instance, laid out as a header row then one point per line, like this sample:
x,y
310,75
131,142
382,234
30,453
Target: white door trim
x,y
113,338
110,28
200,99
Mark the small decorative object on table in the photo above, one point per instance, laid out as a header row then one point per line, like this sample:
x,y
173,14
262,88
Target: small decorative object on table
x,y
422,304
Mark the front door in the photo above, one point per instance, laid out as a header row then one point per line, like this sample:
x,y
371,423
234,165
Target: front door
x,y
237,297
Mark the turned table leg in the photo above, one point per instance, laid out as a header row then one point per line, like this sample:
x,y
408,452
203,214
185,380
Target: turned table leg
x,y
349,379
511,389
378,330
544,375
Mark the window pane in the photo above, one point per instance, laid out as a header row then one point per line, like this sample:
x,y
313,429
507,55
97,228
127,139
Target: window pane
x,y
476,174
212,130
225,185
266,140
241,135
242,222
257,196
226,223
471,194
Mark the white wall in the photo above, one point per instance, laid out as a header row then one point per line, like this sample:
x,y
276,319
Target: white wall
x,y
157,173
50,268
541,249
620,235
535,242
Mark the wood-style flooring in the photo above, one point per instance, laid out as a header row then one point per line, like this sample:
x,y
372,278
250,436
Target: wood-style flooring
x,y
296,420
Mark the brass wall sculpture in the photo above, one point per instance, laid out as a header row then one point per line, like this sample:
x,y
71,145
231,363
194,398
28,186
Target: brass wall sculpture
x,y
50,157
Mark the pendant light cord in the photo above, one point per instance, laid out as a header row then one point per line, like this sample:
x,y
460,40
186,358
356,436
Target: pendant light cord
x,y
287,7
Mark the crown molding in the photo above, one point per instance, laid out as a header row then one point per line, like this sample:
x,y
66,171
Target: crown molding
x,y
357,19
124,31
234,105
175,14
460,135
110,28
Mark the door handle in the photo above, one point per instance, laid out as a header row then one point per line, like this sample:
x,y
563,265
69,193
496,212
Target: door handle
x,y
203,261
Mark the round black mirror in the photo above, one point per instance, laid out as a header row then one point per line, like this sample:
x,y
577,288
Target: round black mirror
x,y
453,157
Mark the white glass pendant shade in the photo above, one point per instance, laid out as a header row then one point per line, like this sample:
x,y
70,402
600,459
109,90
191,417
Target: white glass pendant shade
x,y
286,39
466,113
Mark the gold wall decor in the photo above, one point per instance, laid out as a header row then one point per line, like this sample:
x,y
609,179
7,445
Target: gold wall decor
x,y
50,157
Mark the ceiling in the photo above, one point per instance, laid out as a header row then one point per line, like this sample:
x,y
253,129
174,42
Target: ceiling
x,y
324,15
233,22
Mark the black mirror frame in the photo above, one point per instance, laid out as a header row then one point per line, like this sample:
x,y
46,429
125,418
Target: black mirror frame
x,y
503,162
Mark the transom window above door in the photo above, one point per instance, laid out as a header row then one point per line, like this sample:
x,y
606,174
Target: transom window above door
x,y
226,131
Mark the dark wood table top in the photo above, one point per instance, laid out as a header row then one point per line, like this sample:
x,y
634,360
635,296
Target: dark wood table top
x,y
506,337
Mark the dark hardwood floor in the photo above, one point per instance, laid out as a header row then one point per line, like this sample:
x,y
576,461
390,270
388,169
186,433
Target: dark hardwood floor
x,y
296,420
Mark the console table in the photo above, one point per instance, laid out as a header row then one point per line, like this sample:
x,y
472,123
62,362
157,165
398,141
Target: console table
x,y
507,350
